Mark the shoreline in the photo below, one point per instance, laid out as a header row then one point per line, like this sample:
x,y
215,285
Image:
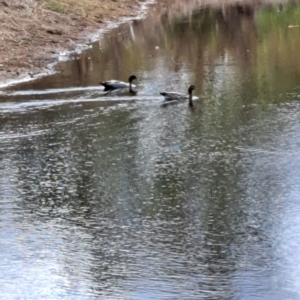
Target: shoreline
x,y
11,75
80,34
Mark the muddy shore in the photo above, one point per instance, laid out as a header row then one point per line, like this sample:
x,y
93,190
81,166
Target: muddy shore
x,y
33,34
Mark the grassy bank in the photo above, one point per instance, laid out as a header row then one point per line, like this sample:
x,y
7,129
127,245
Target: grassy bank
x,y
91,9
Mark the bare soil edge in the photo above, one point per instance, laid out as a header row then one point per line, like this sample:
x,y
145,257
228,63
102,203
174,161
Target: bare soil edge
x,y
45,57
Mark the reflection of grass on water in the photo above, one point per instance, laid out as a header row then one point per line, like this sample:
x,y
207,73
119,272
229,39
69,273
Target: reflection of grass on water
x,y
199,21
278,46
280,16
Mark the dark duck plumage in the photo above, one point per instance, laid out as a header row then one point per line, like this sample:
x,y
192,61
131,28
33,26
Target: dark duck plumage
x,y
179,97
112,85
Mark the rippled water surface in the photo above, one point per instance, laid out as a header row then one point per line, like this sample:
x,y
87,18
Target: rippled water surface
x,y
117,197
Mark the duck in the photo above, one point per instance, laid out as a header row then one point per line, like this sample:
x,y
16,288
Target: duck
x,y
179,97
112,85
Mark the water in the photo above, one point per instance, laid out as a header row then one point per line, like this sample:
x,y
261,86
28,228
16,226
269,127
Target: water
x,y
111,197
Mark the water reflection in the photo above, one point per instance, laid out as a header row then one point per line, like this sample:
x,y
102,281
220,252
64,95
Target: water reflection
x,y
118,198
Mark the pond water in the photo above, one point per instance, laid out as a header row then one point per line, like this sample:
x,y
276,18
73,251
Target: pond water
x,y
117,197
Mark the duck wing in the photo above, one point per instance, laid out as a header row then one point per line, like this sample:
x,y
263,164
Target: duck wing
x,y
174,96
114,85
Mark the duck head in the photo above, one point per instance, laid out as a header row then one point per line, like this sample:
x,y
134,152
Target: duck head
x,y
191,88
131,78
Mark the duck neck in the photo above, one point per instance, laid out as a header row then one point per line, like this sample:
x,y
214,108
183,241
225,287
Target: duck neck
x,y
130,87
190,99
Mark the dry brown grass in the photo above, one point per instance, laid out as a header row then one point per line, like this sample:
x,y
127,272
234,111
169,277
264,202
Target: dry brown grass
x,y
94,10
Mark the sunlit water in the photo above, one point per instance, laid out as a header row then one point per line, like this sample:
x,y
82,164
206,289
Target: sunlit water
x,y
112,197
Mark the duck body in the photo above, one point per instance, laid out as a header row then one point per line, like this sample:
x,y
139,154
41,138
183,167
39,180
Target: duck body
x,y
112,85
179,97
174,96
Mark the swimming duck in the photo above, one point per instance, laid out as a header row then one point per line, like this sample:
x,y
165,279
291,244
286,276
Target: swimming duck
x,y
112,85
178,97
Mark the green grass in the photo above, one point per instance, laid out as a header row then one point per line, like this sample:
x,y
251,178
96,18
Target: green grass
x,y
56,6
